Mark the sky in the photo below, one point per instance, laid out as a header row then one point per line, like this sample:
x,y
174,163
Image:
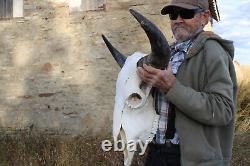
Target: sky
x,y
235,25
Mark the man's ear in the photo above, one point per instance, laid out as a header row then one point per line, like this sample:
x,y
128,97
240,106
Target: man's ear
x,y
206,17
207,14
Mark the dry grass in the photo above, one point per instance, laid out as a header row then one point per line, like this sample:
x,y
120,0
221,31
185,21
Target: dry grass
x,y
50,150
241,150
47,150
243,102
243,108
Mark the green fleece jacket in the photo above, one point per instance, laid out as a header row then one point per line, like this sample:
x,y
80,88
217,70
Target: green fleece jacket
x,y
204,95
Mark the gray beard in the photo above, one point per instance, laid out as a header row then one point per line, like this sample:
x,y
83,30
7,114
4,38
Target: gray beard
x,y
189,36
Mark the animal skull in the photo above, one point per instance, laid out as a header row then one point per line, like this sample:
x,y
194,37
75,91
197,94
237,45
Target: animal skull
x,y
134,115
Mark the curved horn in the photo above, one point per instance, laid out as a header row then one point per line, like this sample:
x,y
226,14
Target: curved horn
x,y
160,49
119,57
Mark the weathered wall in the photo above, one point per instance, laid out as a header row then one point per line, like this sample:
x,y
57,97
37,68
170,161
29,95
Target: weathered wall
x,y
56,74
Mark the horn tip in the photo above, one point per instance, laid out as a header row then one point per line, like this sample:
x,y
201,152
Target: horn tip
x,y
103,36
105,39
132,11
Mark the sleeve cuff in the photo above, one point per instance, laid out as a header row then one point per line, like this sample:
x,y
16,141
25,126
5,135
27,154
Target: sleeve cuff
x,y
174,91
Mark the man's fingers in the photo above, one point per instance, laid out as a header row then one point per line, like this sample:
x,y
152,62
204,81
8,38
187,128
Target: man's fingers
x,y
169,66
148,78
144,73
150,69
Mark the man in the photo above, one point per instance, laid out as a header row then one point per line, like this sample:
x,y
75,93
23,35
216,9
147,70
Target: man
x,y
196,95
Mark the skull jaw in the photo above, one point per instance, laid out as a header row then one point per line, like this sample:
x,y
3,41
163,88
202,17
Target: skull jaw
x,y
138,124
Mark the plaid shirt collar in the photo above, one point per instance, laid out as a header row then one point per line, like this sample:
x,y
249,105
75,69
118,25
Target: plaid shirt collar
x,y
178,52
180,47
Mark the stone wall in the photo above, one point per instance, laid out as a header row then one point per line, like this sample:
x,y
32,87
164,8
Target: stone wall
x,y
56,73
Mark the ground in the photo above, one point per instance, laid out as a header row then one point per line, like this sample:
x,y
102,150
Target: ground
x,y
34,150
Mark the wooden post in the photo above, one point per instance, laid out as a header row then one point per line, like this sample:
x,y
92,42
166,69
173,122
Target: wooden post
x,y
6,8
11,8
2,9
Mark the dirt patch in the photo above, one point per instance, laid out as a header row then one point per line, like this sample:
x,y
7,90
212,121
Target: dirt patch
x,y
241,150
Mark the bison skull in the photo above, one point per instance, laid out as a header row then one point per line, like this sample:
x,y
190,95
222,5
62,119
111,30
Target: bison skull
x,y
134,115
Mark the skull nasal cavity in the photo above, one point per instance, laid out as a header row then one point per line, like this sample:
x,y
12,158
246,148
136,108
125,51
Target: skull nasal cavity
x,y
134,100
135,96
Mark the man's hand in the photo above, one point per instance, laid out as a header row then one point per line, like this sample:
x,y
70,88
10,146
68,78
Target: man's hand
x,y
163,79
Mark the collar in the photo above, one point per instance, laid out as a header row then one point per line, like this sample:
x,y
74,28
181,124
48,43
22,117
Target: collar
x,y
183,46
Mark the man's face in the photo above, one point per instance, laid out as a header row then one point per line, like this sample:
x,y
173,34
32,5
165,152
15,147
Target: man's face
x,y
184,29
